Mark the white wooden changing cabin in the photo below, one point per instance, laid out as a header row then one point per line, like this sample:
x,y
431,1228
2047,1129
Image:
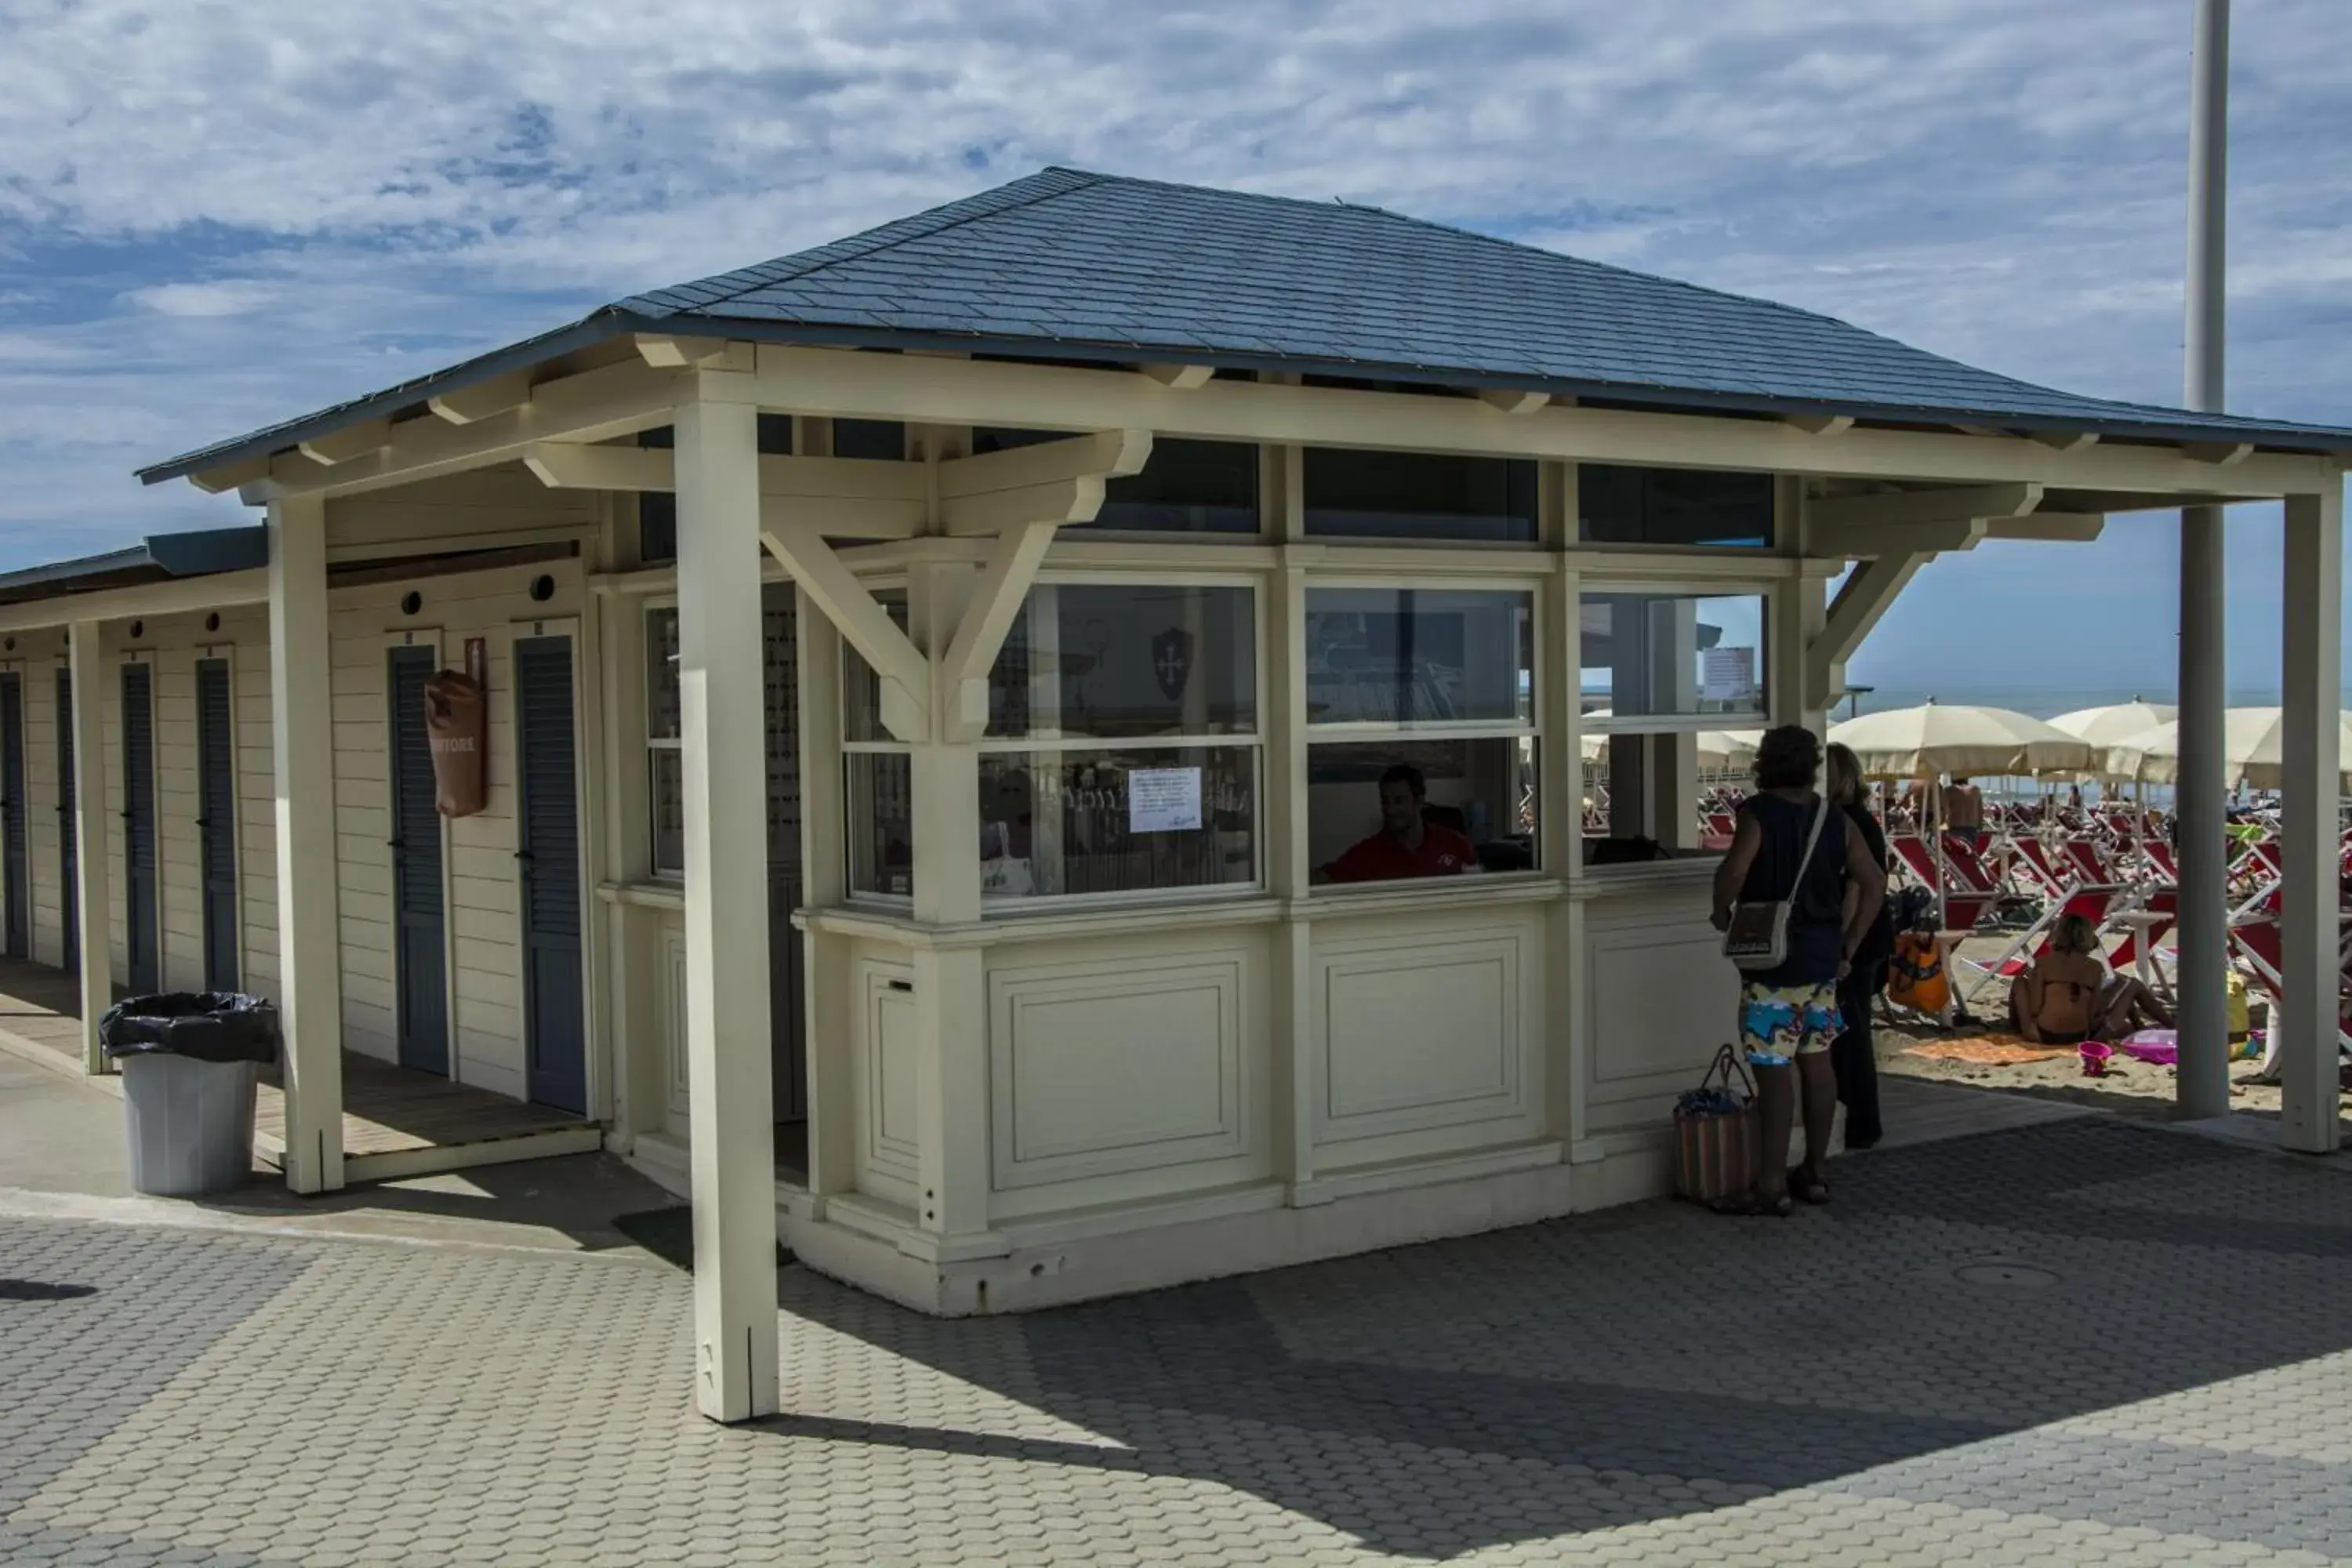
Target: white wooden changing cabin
x,y
964,655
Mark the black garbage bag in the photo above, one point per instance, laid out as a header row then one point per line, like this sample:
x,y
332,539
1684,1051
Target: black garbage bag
x,y
210,1026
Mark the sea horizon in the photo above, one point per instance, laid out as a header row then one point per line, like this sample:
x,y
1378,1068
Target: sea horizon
x,y
2039,702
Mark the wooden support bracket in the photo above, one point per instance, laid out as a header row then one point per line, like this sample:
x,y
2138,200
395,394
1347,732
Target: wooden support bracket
x,y
988,617
850,605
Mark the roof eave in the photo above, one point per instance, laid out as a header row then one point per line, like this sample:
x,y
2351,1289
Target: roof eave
x,y
1756,403
586,332
603,325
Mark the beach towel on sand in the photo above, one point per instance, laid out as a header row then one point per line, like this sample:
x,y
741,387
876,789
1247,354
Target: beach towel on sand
x,y
1989,1050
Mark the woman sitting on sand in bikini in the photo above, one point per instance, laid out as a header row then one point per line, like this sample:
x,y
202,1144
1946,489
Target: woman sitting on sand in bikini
x,y
2068,995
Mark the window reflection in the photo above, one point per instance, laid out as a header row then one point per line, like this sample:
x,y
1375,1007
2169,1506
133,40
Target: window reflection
x,y
1123,660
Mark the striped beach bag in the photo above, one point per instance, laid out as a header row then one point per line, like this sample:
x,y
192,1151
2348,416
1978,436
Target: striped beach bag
x,y
1715,1132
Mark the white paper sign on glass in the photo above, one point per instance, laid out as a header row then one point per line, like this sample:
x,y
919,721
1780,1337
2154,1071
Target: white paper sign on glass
x,y
1163,800
1727,674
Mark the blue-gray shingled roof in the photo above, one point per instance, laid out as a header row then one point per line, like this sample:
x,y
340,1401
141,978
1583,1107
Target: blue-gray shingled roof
x,y
1068,264
194,552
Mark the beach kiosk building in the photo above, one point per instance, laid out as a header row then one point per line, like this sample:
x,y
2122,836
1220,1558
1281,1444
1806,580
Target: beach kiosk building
x,y
931,674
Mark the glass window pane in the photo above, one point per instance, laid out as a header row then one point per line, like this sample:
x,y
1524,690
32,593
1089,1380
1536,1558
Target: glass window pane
x,y
1116,821
1416,495
664,721
1420,655
861,689
1474,810
1655,655
670,811
1124,660
882,439
881,819
1673,506
657,527
1187,487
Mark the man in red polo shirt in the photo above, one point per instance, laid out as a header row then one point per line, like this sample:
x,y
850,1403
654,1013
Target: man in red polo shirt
x,y
1406,845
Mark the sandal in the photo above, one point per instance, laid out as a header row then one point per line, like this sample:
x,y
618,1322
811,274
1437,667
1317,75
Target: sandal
x,y
1812,1189
1747,1206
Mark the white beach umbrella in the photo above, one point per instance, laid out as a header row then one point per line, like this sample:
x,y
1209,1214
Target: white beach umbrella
x,y
1727,751
2105,728
1910,743
2251,742
1719,752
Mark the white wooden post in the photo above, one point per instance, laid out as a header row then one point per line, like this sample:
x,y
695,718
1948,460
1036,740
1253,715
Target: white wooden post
x,y
93,909
951,1000
309,954
1290,871
2201,1084
730,1078
2312,693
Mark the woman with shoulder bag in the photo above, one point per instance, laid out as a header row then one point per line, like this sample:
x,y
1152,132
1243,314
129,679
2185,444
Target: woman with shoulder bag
x,y
1795,896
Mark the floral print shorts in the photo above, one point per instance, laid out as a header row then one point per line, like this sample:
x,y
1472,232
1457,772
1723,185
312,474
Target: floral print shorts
x,y
1787,1020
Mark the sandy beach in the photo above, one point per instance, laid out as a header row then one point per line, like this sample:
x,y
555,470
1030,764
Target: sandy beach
x,y
2129,1087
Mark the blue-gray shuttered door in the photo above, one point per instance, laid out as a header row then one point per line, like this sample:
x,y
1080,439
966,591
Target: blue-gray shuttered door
x,y
216,820
420,951
69,825
140,933
18,871
548,864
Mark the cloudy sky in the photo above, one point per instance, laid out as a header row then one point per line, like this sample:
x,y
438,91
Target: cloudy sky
x,y
213,216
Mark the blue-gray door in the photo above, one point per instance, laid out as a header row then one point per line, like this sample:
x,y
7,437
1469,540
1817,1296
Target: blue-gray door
x,y
69,825
216,820
420,949
139,929
555,1021
13,857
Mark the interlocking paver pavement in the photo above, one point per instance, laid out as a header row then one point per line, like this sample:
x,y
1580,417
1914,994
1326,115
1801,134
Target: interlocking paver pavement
x,y
2084,1342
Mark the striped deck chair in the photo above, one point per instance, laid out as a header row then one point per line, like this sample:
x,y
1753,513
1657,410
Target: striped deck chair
x,y
1961,902
2094,901
2258,945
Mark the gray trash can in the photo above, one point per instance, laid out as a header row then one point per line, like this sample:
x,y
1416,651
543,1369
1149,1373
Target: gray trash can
x,y
190,1123
190,1062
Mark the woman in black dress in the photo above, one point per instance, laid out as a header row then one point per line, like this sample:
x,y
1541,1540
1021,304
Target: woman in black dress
x,y
1854,1056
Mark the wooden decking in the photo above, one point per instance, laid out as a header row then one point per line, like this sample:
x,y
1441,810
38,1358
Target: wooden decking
x,y
40,1014
396,1122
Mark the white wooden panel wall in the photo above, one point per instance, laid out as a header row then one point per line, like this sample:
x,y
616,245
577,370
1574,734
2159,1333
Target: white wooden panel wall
x,y
1428,1031
1659,1001
480,872
887,1057
1105,1062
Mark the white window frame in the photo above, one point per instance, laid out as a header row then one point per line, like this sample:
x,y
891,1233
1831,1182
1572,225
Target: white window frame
x,y
850,660
1007,905
1766,589
652,603
1363,733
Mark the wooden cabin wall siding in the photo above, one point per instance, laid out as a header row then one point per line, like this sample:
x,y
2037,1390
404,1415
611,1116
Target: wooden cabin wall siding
x,y
114,643
257,794
461,511
484,907
39,654
171,644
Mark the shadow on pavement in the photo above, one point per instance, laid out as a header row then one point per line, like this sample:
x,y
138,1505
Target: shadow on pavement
x,y
1655,1362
